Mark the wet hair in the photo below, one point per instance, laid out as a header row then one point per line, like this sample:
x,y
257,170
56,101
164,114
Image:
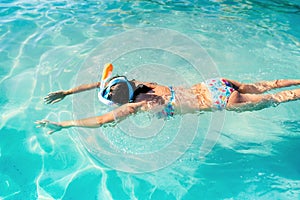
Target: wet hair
x,y
120,92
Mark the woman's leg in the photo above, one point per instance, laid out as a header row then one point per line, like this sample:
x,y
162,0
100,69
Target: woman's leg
x,y
263,86
260,101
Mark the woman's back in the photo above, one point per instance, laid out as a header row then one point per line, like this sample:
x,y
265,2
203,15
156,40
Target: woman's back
x,y
186,99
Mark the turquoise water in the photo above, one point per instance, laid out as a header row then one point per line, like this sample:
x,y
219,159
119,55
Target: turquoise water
x,y
47,46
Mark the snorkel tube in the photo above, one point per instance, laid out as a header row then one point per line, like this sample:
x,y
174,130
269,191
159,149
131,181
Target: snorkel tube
x,y
106,74
105,86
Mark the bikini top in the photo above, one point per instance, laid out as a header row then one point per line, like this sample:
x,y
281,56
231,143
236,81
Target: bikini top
x,y
169,110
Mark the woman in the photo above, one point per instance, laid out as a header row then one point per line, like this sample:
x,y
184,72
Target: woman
x,y
133,96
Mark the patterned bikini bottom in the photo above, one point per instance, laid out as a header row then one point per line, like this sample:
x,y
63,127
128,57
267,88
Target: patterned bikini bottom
x,y
220,90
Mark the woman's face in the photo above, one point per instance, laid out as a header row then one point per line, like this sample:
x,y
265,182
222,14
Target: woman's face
x,y
111,89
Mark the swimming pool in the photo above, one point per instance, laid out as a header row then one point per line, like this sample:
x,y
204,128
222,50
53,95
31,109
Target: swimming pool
x,y
47,46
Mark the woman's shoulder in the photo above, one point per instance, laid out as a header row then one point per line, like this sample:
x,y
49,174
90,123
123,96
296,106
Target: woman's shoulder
x,y
151,84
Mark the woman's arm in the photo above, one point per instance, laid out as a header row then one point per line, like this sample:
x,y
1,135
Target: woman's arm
x,y
82,88
92,122
55,97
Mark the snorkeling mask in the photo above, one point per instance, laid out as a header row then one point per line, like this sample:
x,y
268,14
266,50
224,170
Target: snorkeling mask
x,y
105,86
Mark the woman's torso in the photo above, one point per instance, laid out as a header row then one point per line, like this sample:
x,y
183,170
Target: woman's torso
x,y
195,98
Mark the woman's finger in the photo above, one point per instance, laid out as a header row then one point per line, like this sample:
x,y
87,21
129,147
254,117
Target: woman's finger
x,y
41,123
50,132
38,122
55,101
47,99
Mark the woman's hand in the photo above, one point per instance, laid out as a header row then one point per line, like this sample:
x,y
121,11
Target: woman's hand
x,y
53,126
55,97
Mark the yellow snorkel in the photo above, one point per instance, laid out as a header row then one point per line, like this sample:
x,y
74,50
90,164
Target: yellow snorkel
x,y
106,74
107,71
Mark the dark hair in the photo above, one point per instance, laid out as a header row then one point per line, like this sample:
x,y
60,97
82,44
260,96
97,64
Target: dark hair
x,y
120,93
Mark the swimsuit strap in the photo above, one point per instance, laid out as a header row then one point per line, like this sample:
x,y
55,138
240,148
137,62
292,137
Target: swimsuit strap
x,y
169,109
172,99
